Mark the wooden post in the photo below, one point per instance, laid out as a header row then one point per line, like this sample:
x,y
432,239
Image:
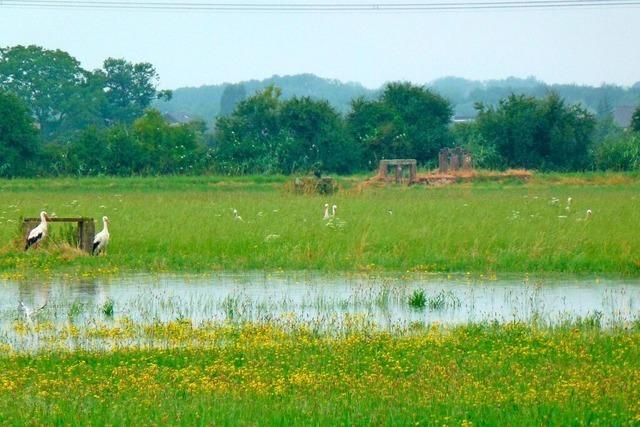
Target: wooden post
x,y
86,233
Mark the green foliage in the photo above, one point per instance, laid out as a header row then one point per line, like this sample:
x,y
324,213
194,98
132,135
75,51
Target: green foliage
x,y
538,134
60,94
149,146
186,224
205,102
129,89
107,307
418,299
606,128
65,98
406,121
95,123
225,374
19,142
484,154
267,134
618,153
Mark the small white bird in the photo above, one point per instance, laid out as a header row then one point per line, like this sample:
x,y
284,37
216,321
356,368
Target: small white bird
x,y
102,238
38,233
28,312
236,216
334,208
569,200
589,213
326,211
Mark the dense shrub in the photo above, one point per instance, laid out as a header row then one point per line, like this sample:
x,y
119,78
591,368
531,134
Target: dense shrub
x,y
619,154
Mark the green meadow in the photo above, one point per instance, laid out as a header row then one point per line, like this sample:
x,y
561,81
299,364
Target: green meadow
x,y
186,224
224,374
236,371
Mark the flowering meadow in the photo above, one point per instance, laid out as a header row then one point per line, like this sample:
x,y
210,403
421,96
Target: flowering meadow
x,y
268,374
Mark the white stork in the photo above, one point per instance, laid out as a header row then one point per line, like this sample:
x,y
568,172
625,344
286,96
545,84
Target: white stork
x,y
38,233
334,208
326,211
102,238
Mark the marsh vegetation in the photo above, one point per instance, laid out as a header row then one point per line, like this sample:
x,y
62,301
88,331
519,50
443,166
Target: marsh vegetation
x,y
187,225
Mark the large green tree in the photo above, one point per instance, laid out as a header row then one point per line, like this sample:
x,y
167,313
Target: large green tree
x,y
406,121
64,97
538,133
59,93
317,138
129,89
268,134
19,141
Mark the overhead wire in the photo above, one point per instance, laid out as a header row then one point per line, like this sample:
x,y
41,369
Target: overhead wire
x,y
318,7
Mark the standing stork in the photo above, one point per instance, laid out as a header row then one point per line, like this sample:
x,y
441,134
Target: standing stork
x,y
326,211
102,238
334,208
38,233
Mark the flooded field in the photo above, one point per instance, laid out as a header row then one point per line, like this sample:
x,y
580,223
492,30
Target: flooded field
x,y
266,345
29,309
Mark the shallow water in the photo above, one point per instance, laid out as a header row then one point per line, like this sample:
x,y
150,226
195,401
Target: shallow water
x,y
322,300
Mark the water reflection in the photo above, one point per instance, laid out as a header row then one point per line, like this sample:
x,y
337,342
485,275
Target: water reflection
x,y
311,298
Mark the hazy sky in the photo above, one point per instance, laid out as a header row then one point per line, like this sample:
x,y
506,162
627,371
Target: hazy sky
x,y
190,49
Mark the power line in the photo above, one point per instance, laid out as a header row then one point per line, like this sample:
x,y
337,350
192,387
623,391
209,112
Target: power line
x,y
317,7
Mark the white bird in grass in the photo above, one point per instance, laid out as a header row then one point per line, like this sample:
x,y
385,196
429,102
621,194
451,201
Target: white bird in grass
x,y
589,213
28,312
38,233
236,216
334,208
326,211
102,238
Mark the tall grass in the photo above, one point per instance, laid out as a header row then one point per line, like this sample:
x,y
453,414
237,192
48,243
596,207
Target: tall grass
x,y
187,224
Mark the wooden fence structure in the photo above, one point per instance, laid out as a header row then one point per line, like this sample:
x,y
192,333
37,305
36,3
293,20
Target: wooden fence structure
x,y
85,234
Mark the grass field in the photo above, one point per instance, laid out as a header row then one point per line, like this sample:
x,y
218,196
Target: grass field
x,y
224,374
57,369
185,224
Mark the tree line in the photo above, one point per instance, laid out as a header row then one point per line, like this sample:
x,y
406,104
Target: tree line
x,y
58,119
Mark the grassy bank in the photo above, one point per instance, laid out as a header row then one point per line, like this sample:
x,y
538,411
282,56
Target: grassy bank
x,y
269,375
185,224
